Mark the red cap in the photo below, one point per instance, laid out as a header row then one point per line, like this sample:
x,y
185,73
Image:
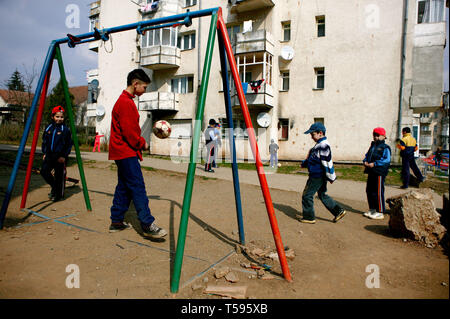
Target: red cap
x,y
57,109
380,131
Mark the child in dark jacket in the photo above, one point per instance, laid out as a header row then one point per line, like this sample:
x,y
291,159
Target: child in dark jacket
x,y
56,146
321,170
376,162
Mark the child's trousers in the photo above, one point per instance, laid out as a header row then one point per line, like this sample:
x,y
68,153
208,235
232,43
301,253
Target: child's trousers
x,y
57,182
375,192
130,187
319,186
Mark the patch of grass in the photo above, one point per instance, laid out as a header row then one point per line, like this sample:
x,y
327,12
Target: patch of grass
x,y
148,168
208,178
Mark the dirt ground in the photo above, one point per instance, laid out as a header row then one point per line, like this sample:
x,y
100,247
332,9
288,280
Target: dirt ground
x,y
330,261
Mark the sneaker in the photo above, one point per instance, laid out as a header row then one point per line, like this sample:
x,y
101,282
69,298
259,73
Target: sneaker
x,y
154,231
308,221
376,215
369,212
339,216
210,171
115,227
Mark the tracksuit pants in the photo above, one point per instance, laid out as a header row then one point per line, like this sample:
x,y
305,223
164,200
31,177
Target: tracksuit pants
x,y
319,186
130,187
407,163
375,192
57,181
209,155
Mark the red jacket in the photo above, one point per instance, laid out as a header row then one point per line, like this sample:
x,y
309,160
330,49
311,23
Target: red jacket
x,y
125,139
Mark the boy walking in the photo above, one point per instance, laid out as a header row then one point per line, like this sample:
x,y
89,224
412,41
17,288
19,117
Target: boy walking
x,y
56,146
321,170
125,148
407,146
376,162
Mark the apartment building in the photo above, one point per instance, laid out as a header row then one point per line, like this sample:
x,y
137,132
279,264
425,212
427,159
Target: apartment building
x,y
344,63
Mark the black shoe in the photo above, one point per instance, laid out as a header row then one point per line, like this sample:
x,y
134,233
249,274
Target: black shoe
x,y
56,199
210,171
153,231
115,227
339,216
403,187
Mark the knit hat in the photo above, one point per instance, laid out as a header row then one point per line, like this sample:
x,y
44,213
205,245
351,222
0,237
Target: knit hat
x,y
57,109
379,131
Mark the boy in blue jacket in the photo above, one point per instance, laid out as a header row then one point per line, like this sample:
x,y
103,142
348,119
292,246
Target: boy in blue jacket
x,y
56,146
376,162
321,170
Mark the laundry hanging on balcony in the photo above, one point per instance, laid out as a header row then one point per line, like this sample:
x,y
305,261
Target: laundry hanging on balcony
x,y
256,85
151,7
245,87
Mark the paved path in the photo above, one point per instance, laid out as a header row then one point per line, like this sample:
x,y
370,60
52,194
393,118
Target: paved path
x,y
340,189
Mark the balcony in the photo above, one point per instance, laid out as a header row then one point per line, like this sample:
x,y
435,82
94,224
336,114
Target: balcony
x,y
160,57
159,101
95,8
161,9
425,120
239,6
254,41
263,100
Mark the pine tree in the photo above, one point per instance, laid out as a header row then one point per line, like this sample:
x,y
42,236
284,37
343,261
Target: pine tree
x,y
56,98
15,82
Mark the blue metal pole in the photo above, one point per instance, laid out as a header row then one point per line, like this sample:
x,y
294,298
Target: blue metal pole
x,y
12,180
226,95
146,23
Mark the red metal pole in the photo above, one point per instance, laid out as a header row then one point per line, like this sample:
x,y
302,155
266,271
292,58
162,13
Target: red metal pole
x,y
254,146
35,136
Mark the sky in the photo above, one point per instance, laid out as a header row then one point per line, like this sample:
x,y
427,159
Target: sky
x,y
28,26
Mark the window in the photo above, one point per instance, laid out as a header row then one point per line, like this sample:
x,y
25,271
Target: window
x,y
240,129
283,129
425,115
189,3
319,120
182,85
285,81
233,30
320,78
286,26
94,22
247,77
430,11
164,36
415,132
436,115
186,41
320,22
425,128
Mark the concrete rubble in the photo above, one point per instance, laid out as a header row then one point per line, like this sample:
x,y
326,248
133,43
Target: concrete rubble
x,y
413,215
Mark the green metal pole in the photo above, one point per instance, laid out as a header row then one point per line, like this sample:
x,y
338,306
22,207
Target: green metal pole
x,y
72,126
193,158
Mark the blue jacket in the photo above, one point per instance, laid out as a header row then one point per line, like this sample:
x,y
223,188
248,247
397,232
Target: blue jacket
x,y
319,161
379,153
57,140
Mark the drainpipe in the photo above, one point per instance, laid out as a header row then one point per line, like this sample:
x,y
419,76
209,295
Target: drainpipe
x,y
402,72
199,32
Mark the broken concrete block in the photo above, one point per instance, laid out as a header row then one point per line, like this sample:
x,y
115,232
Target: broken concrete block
x,y
231,277
413,215
290,254
221,272
258,252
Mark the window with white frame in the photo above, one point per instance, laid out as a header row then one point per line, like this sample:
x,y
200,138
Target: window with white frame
x,y
240,129
94,22
186,41
284,80
247,77
233,30
430,11
286,26
164,36
320,22
189,3
283,129
182,85
320,78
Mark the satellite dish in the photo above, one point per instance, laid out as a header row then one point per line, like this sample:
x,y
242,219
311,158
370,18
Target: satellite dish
x,y
287,53
100,111
264,119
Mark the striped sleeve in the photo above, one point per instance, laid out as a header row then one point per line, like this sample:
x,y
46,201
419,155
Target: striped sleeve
x,y
326,161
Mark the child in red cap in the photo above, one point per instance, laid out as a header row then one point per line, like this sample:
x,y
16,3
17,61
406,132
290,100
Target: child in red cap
x,y
376,162
56,146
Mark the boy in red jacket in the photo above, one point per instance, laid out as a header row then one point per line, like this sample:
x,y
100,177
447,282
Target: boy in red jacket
x,y
125,148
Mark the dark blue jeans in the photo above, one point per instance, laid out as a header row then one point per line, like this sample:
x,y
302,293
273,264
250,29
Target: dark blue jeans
x,y
407,163
313,186
130,186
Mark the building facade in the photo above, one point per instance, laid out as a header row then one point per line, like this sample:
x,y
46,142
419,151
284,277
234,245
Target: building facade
x,y
342,63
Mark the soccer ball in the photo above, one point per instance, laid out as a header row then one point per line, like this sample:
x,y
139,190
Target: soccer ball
x,y
162,129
